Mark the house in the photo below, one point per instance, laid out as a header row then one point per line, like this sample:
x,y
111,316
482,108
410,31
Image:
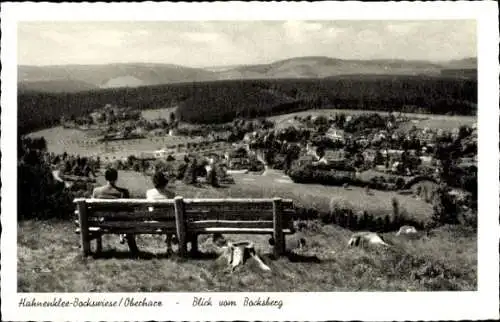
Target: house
x,y
381,168
219,136
426,159
157,132
138,131
369,155
161,153
97,116
392,153
306,159
363,141
336,157
335,134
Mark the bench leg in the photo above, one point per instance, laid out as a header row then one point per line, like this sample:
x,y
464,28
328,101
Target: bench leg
x,y
194,244
168,241
98,244
280,246
132,245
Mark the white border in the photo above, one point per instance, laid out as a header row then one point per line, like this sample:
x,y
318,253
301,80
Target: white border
x,y
374,306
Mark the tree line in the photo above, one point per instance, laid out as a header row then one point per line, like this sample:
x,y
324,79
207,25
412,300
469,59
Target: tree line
x,y
223,101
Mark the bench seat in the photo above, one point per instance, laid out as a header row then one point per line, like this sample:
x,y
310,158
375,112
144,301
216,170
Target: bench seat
x,y
232,230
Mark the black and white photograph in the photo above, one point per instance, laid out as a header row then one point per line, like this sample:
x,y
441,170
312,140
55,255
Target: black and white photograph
x,y
272,156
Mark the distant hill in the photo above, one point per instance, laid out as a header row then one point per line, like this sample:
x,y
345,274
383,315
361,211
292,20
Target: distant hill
x,y
461,68
56,86
114,75
319,67
466,63
72,77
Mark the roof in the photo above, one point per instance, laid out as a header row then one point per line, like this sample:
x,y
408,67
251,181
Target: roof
x,y
334,154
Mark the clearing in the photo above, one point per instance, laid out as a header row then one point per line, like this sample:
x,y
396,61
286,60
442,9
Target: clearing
x,y
49,260
432,121
84,143
158,113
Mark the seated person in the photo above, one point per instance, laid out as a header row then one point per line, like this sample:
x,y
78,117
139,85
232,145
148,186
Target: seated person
x,y
160,192
112,191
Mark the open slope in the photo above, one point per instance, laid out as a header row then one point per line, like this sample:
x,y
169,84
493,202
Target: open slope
x,y
49,260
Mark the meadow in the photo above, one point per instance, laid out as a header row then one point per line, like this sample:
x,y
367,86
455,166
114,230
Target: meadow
x,y
85,143
431,121
158,113
274,183
49,260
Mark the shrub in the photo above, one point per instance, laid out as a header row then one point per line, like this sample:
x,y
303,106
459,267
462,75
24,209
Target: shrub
x,y
181,170
308,174
445,210
48,198
212,178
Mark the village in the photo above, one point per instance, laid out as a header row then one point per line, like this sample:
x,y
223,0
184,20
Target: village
x,y
389,151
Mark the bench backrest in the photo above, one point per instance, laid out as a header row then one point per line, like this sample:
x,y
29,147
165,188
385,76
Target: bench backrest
x,y
183,216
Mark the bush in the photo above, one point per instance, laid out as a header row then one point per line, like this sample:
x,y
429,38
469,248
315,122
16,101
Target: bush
x,y
181,170
212,178
47,197
309,174
445,210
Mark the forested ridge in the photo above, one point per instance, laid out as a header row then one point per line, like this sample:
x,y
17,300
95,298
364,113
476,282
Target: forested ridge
x,y
222,101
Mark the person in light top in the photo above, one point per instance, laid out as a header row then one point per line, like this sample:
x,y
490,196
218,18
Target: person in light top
x,y
161,192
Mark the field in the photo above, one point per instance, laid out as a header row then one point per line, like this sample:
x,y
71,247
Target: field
x,y
78,142
158,113
434,121
275,184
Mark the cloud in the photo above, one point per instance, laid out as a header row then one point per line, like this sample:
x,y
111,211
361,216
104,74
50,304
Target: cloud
x,y
202,36
208,43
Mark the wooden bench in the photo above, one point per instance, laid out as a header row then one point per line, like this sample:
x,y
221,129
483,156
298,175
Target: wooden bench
x,y
187,218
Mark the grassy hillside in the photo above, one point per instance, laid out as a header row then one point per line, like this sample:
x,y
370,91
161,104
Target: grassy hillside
x,y
84,143
445,122
315,196
222,101
49,260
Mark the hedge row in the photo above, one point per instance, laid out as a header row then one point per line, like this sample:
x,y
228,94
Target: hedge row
x,y
312,174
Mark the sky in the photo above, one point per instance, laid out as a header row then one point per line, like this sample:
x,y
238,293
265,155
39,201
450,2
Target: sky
x,y
221,43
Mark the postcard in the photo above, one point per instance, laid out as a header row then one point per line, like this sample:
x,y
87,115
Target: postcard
x,y
250,161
